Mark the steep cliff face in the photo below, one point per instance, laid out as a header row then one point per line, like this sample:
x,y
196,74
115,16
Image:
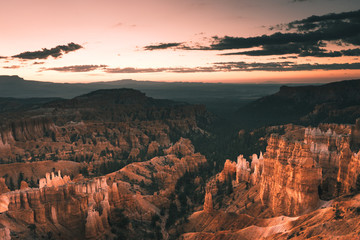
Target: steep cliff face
x,y
71,208
24,130
290,179
296,170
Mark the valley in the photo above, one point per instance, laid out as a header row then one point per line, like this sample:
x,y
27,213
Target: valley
x,y
118,164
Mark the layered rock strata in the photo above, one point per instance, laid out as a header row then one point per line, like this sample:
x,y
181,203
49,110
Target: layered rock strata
x,y
290,178
81,210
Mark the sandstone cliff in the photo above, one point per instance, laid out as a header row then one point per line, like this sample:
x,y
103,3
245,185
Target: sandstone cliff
x,y
132,127
298,171
290,178
82,209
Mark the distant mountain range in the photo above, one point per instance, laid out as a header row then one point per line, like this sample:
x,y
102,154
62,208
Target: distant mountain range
x,y
256,104
14,86
337,102
218,97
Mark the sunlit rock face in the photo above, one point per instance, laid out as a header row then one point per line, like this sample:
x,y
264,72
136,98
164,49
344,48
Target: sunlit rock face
x,y
228,172
3,186
290,179
330,145
249,172
53,180
294,174
242,169
208,203
73,207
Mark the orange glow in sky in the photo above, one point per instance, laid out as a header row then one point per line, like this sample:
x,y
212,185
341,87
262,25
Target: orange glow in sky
x,y
113,35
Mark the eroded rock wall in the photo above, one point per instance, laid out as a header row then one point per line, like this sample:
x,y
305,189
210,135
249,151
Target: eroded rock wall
x,y
290,179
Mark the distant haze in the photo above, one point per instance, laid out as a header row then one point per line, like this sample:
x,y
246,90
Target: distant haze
x,y
16,87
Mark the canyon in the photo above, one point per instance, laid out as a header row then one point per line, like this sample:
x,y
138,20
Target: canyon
x,y
306,181
80,208
116,164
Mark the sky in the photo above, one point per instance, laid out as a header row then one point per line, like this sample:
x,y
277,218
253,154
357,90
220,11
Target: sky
x,y
238,41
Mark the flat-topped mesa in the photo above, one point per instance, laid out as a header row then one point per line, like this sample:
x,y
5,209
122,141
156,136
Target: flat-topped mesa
x,y
290,178
52,180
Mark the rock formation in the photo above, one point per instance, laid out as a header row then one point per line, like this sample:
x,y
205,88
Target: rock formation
x,y
63,204
3,186
4,233
81,210
228,173
249,172
257,167
242,169
208,204
53,180
290,179
292,173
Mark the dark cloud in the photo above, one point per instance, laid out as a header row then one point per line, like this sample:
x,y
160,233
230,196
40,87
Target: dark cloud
x,y
55,52
351,52
284,66
12,67
288,57
322,21
106,69
279,49
76,68
38,63
161,46
193,70
308,37
302,50
134,70
153,70
241,66
346,32
324,53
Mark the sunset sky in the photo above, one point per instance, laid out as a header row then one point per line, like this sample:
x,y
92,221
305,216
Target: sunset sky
x,y
189,40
